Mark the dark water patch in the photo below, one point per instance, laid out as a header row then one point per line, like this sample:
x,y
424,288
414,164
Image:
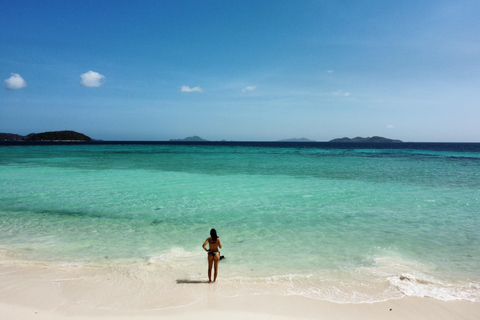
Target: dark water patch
x,y
434,146
70,213
157,221
412,163
6,211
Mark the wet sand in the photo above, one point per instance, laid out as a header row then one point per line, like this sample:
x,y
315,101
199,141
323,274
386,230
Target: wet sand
x,y
45,292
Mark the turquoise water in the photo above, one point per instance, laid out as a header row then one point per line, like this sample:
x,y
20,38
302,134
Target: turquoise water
x,y
337,224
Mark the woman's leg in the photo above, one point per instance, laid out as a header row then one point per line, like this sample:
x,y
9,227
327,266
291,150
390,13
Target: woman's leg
x,y
210,263
216,258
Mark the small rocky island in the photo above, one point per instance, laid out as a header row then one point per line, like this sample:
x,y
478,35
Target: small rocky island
x,y
65,135
374,139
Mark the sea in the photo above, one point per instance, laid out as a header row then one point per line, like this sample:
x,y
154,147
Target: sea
x,y
330,221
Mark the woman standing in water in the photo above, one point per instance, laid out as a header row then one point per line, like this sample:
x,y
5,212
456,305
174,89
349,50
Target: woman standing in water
x,y
213,254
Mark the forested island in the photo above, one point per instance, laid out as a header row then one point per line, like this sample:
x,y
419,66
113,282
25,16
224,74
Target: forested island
x,y
65,135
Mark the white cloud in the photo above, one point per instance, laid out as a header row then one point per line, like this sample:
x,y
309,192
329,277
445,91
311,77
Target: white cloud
x,y
15,82
341,93
190,89
249,89
92,79
330,71
390,126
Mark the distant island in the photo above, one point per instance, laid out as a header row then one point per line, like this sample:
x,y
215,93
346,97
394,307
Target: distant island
x,y
297,140
68,135
369,140
65,135
194,139
374,139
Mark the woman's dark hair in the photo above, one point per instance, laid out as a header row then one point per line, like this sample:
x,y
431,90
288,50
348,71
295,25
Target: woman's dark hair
x,y
213,234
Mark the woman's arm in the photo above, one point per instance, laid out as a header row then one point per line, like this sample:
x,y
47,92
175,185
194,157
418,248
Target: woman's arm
x,y
219,243
204,245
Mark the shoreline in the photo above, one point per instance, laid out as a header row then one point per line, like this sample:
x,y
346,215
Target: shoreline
x,y
43,292
389,279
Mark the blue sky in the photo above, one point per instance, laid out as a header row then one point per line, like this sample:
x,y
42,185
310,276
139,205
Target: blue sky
x,y
242,70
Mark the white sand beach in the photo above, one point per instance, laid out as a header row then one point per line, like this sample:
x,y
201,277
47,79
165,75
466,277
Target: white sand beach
x,y
44,292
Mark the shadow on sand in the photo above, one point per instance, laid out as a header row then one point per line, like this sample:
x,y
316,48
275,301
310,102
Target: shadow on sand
x,y
180,281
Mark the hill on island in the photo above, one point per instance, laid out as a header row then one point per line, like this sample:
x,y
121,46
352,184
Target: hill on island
x,y
297,140
10,137
194,138
364,140
66,135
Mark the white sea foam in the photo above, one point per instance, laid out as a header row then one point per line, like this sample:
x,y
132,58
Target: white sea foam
x,y
175,255
426,286
415,279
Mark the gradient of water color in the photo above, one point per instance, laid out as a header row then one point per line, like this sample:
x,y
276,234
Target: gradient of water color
x,y
341,224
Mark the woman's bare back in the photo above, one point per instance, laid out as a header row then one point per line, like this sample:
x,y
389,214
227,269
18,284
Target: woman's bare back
x,y
213,245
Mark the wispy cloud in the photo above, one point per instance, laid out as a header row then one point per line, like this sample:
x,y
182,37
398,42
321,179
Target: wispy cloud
x,y
390,126
92,79
249,89
190,89
15,82
329,71
341,93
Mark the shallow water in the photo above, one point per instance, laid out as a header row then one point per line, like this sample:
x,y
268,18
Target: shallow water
x,y
339,224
